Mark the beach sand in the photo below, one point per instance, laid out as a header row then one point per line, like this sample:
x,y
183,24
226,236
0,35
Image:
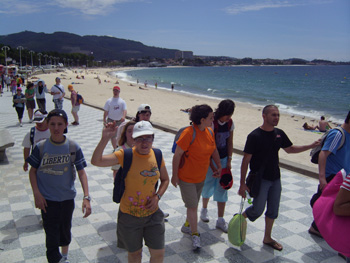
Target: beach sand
x,y
166,107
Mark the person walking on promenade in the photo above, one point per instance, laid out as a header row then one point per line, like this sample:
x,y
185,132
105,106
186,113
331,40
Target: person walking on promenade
x,y
19,103
223,129
331,160
196,155
139,217
125,141
36,134
40,90
52,176
114,111
58,93
143,114
75,104
261,154
13,86
30,102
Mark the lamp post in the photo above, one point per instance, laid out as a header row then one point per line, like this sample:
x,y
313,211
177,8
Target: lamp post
x,y
31,57
50,57
20,55
39,55
45,56
5,48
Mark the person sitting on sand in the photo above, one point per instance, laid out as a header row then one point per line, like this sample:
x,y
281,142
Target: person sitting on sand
x,y
309,127
323,125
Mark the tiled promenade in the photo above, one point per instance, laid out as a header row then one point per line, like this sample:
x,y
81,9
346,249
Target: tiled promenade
x,y
94,239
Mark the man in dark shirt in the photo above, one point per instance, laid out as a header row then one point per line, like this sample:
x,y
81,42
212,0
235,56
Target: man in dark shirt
x,y
261,153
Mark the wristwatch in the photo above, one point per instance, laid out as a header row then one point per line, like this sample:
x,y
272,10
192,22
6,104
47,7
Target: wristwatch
x,y
87,197
158,196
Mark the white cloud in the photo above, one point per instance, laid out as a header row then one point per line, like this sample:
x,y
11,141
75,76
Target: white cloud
x,y
248,6
90,7
19,7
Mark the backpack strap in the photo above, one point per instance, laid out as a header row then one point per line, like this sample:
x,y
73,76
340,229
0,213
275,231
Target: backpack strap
x,y
59,88
72,150
41,148
127,162
159,157
31,137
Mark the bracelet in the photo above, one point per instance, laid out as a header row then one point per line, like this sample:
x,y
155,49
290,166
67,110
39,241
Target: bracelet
x,y
158,196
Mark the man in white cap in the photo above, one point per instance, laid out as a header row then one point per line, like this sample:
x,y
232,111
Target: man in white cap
x,y
114,111
37,133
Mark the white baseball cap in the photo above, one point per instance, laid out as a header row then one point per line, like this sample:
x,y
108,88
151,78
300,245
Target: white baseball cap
x,y
142,128
144,107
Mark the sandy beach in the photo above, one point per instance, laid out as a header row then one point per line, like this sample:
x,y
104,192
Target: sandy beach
x,y
166,107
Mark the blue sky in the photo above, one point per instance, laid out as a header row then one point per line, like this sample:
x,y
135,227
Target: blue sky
x,y
281,29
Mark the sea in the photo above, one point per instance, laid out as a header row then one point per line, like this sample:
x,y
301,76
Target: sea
x,y
310,91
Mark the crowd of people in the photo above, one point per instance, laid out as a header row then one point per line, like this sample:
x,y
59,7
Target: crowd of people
x,y
202,155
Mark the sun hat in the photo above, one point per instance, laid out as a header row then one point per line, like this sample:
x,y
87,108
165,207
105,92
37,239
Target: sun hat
x,y
142,128
19,88
116,88
39,116
226,180
144,107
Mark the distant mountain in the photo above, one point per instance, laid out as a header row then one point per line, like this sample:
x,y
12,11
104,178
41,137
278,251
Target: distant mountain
x,y
103,47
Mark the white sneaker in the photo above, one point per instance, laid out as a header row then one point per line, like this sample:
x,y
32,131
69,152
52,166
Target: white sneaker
x,y
221,224
204,215
64,260
186,229
196,242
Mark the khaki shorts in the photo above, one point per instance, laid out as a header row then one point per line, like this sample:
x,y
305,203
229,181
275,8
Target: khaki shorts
x,y
191,193
76,108
117,123
132,230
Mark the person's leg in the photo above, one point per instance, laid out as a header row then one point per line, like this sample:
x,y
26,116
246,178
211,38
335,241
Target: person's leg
x,y
157,255
192,218
51,224
221,209
66,225
273,201
135,256
205,202
30,114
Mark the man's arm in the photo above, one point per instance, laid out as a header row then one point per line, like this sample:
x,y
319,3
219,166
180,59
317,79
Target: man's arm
x,y
244,168
124,116
26,152
303,148
86,208
105,114
322,161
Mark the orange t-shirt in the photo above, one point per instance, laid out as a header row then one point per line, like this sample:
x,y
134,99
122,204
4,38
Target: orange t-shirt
x,y
139,183
198,154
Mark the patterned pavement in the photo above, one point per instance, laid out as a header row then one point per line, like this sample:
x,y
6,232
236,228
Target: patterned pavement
x,y
94,238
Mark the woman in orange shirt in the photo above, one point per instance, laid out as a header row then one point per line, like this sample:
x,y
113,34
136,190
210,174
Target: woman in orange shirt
x,y
195,159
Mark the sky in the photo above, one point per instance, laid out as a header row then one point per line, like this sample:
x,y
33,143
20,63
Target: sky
x,y
277,29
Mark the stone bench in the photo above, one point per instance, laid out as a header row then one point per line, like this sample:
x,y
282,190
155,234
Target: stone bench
x,y
6,141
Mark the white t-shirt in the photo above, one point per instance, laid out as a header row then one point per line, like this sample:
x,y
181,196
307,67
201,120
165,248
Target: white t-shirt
x,y
115,108
55,89
38,136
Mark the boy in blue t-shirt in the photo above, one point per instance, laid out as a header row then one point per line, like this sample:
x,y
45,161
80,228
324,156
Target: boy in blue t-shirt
x,y
52,178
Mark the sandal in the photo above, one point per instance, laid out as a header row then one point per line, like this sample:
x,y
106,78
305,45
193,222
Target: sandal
x,y
274,244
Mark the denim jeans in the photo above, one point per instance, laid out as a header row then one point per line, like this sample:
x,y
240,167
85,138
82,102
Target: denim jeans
x,y
270,193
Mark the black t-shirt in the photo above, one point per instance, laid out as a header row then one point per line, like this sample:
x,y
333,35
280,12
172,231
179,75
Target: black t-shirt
x,y
264,147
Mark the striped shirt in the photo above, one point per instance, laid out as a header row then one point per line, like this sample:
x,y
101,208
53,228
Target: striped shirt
x,y
346,183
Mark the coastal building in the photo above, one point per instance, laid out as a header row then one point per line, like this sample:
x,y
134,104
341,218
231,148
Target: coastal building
x,y
184,54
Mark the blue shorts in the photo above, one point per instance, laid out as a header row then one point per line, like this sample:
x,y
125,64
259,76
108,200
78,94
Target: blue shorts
x,y
212,185
270,193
